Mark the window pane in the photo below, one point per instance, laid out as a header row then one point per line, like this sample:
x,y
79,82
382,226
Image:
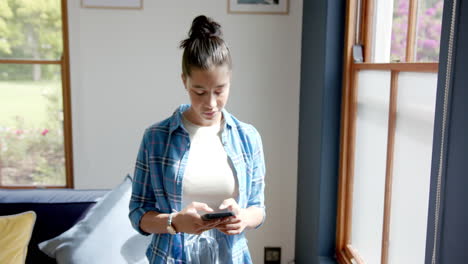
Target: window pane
x,y
399,30
382,30
428,30
370,163
31,125
412,166
30,29
390,27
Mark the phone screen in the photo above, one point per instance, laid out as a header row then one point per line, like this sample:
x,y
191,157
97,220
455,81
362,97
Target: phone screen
x,y
213,216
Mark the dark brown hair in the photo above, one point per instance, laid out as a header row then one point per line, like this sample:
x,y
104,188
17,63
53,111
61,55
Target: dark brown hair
x,y
204,48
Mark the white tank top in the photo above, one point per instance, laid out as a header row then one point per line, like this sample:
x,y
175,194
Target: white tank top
x,y
208,176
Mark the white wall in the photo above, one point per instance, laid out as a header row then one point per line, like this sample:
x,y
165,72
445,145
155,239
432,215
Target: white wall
x,y
125,75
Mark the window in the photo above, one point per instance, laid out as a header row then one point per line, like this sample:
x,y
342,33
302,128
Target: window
x,y
390,82
35,123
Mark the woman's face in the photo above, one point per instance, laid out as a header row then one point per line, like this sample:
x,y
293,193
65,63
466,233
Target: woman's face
x,y
209,92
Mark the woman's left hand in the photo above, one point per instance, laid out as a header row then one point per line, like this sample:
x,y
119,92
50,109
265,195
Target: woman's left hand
x,y
233,225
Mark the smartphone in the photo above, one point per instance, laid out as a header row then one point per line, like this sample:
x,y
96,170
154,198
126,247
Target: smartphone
x,y
213,216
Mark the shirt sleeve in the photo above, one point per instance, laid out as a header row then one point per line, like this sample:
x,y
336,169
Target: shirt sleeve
x,y
257,195
142,199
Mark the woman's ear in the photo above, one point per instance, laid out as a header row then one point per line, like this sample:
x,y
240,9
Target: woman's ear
x,y
184,80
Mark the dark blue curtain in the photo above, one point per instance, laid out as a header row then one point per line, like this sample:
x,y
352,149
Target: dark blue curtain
x,y
319,130
452,233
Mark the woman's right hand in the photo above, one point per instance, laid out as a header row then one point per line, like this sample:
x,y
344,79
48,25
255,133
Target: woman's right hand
x,y
189,221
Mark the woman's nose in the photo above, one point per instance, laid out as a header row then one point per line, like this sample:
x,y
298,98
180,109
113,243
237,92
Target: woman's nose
x,y
212,100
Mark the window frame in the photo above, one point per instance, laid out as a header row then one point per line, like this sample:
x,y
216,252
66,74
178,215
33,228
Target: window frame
x,y
64,62
345,253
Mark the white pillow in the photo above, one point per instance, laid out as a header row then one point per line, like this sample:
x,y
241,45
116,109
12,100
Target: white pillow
x,y
105,235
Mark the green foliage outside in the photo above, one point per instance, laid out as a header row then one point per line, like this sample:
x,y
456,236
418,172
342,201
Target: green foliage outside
x,y
31,149
25,99
29,29
429,25
31,125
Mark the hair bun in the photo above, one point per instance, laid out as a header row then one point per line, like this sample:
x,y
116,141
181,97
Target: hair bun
x,y
204,48
204,27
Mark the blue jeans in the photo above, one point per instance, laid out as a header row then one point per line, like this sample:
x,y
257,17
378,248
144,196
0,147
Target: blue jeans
x,y
210,247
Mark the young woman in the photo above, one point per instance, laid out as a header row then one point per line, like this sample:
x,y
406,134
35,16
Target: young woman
x,y
200,160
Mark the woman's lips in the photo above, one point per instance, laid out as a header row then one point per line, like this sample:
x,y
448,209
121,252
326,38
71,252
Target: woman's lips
x,y
209,114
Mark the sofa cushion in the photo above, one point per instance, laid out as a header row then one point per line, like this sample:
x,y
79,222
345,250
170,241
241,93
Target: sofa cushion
x,y
15,233
57,210
105,235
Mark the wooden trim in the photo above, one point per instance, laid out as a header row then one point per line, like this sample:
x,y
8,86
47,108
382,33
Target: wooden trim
x,y
342,258
368,30
355,254
400,67
341,237
389,171
66,94
358,25
351,155
21,61
411,34
1,177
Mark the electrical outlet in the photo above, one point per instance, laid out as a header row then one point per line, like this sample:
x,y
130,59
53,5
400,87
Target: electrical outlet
x,y
272,255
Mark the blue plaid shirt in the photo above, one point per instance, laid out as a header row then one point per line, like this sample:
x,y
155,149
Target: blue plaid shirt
x,y
159,172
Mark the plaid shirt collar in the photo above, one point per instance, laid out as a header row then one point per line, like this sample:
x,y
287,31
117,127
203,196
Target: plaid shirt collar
x,y
177,118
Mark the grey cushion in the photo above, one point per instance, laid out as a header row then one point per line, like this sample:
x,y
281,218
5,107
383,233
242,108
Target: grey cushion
x,y
105,235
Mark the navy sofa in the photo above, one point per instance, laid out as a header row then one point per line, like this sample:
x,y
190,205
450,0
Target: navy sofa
x,y
57,210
